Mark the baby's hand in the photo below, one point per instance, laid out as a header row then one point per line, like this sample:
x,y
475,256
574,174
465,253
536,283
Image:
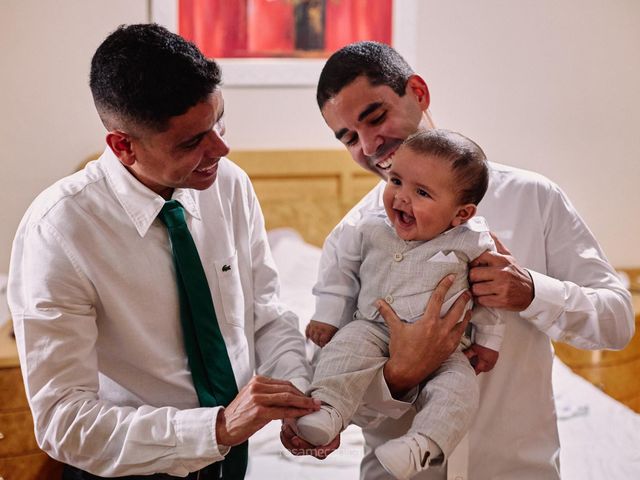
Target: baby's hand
x,y
482,358
320,333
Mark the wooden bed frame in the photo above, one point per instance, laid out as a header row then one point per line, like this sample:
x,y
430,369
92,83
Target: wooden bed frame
x,y
310,191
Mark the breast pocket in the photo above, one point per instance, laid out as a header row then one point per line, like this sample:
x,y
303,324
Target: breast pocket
x,y
410,302
231,289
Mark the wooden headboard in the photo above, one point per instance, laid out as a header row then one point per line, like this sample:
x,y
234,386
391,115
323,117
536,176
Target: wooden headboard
x,y
308,190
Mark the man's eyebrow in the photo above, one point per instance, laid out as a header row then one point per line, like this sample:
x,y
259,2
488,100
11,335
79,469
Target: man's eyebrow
x,y
340,133
197,136
367,110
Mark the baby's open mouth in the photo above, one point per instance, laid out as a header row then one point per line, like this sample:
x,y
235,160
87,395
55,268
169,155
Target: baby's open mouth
x,y
405,218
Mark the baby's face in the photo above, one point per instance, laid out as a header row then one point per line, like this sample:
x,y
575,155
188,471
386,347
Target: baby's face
x,y
421,197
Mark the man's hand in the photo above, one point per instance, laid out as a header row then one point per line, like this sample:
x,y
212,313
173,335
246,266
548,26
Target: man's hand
x,y
482,358
263,399
497,281
417,350
319,332
298,446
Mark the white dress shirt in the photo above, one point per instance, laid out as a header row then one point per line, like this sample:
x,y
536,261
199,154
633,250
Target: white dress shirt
x,y
579,300
95,306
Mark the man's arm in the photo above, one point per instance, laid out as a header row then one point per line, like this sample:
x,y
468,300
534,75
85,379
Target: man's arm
x,y
580,300
54,312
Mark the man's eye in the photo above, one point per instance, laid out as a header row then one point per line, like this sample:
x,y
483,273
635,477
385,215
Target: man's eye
x,y
422,192
192,144
379,119
352,141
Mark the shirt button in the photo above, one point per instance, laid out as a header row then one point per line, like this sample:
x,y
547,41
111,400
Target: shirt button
x,y
398,256
388,299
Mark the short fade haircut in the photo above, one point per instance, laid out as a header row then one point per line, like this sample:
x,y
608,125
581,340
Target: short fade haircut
x,y
468,161
142,75
380,63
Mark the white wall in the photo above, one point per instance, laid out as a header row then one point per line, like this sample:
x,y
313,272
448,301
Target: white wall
x,y
546,85
47,122
552,86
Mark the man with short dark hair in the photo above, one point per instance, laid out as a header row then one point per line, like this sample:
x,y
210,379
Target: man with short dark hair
x,y
549,277
142,288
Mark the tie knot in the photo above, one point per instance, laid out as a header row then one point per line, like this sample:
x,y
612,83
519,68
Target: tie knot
x,y
172,214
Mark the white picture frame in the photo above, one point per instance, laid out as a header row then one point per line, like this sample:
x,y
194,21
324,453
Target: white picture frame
x,y
291,72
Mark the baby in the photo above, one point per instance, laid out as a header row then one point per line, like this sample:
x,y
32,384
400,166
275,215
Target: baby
x,y
426,231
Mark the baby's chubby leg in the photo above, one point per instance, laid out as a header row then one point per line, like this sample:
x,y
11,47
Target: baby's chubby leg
x,y
445,409
346,366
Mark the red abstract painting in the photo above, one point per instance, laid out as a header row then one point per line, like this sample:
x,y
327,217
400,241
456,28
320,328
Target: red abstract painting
x,y
282,28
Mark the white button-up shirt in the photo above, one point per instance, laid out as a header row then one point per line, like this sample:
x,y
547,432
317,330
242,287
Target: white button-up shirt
x,y
579,300
95,307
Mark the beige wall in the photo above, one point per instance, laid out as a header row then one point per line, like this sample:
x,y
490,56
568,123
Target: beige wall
x,y
47,120
541,84
551,86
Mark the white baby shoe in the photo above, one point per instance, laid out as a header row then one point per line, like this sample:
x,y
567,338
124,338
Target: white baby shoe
x,y
319,428
408,455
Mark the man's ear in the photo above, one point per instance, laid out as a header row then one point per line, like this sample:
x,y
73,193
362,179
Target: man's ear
x,y
120,144
463,214
418,87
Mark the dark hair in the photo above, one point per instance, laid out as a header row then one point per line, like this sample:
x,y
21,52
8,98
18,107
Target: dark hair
x,y
380,63
468,161
142,75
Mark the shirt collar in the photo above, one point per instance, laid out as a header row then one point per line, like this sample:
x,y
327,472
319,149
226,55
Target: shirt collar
x,y
141,204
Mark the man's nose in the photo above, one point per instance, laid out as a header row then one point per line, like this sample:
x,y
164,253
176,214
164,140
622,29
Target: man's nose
x,y
216,144
371,144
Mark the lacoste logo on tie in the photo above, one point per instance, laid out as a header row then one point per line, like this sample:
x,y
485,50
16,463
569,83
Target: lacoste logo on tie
x,y
226,268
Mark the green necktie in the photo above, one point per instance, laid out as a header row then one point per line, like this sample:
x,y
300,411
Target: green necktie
x,y
209,361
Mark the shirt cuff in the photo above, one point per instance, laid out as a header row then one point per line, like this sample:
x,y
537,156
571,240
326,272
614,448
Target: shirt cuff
x,y
222,449
300,383
331,310
548,302
379,398
196,434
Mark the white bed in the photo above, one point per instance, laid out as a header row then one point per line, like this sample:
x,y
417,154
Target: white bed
x,y
600,437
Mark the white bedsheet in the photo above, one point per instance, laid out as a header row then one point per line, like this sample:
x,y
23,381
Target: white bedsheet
x,y
599,437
